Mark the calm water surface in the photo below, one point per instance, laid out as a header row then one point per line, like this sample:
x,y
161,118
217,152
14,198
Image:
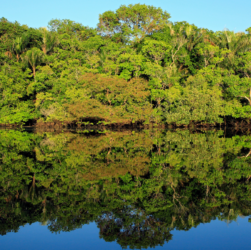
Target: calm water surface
x,y
125,189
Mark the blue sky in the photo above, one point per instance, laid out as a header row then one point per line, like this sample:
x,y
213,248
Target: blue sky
x,y
213,14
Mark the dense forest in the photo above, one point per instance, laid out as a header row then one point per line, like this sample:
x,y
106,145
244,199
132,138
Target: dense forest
x,y
135,67
136,186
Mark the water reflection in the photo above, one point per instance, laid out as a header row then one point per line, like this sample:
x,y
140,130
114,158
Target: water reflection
x,y
137,186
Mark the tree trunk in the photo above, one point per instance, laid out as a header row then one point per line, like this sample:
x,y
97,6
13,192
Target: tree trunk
x,y
248,100
33,180
44,49
34,71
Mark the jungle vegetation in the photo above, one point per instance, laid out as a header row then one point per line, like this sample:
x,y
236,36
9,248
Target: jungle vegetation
x,y
136,186
135,67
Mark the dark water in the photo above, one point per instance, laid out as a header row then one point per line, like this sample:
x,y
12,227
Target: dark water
x,y
125,189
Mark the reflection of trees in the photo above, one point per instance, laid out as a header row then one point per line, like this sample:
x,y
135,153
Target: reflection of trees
x,y
137,187
133,228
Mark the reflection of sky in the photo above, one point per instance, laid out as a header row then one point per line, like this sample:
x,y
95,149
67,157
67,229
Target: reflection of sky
x,y
214,235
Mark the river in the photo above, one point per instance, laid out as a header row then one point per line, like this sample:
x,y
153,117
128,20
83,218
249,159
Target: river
x,y
123,189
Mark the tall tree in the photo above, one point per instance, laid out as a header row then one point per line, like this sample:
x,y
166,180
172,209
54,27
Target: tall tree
x,y
50,40
236,42
19,45
133,22
71,28
33,58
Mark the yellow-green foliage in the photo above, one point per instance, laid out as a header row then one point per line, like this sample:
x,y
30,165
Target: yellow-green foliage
x,y
149,181
135,67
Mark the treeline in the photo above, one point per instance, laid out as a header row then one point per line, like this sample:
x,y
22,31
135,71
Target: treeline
x,y
136,67
136,186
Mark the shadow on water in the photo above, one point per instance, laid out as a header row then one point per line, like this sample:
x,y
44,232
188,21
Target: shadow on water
x,y
137,185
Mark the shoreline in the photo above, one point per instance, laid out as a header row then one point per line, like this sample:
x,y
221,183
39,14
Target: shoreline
x,y
235,124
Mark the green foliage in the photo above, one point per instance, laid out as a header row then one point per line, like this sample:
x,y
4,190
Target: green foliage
x,y
136,186
133,22
33,58
198,102
135,67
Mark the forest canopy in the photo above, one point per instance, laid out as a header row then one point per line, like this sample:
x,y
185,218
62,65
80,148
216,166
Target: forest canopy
x,y
136,66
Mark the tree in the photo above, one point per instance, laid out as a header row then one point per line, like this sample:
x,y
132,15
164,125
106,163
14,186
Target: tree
x,y
9,32
155,50
133,22
198,103
50,40
193,35
33,58
19,45
71,28
239,87
236,42
244,64
212,54
131,65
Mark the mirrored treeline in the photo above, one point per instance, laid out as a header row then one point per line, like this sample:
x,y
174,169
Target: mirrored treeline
x,y
137,186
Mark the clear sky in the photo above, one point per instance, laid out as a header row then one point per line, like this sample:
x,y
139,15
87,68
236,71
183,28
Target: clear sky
x,y
212,14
